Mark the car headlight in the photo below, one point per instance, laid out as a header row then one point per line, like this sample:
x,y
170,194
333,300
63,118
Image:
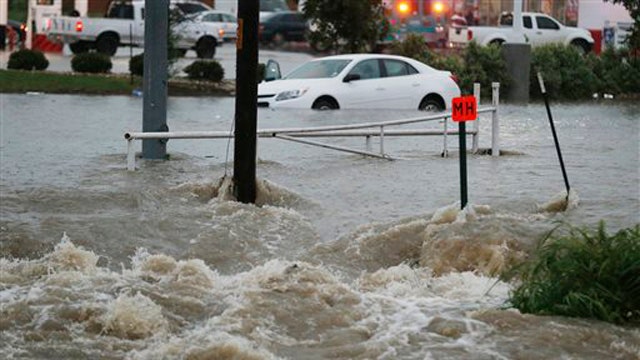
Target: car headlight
x,y
291,94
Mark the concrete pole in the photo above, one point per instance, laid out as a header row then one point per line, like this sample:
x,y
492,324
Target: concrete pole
x,y
154,87
30,24
4,14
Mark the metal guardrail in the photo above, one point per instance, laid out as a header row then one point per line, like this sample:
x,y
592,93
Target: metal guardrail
x,y
351,130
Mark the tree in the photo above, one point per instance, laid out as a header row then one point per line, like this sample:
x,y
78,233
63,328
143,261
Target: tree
x,y
633,6
347,25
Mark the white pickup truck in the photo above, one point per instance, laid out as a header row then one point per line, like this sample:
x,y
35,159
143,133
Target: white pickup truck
x,y
537,29
124,26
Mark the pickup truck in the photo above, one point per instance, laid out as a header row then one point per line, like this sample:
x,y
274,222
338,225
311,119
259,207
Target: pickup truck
x,y
124,26
537,29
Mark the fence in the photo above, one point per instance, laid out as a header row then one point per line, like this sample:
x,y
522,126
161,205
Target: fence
x,y
367,130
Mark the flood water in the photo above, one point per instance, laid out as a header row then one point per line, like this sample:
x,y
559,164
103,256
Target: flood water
x,y
346,257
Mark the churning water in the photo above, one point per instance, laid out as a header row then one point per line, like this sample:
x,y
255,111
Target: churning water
x,y
346,258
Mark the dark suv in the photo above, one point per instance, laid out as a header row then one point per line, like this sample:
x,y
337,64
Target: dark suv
x,y
278,27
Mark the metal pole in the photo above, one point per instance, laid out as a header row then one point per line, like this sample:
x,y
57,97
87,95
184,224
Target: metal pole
x,y
381,140
130,51
154,89
445,151
495,122
553,131
476,124
245,152
462,136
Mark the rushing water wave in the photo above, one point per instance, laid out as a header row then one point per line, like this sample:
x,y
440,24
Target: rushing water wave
x,y
342,258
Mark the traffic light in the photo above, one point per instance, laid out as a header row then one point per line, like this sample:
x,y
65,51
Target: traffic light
x,y
404,8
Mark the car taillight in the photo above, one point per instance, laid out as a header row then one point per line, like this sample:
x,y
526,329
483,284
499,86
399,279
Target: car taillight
x,y
79,26
221,32
454,78
469,35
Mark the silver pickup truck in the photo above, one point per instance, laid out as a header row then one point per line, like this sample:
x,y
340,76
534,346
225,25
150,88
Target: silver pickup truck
x,y
124,26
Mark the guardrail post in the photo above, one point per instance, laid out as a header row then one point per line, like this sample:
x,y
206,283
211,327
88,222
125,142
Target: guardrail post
x,y
368,142
476,124
131,156
495,122
445,150
381,140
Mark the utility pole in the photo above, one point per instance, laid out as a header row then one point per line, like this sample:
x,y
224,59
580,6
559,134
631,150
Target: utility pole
x,y
154,84
244,160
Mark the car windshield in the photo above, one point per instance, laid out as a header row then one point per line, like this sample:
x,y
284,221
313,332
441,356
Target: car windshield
x,y
273,5
319,69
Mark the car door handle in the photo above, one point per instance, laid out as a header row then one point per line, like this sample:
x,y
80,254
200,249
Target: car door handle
x,y
415,84
380,89
539,32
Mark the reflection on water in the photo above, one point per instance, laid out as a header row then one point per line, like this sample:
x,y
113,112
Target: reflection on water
x,y
346,258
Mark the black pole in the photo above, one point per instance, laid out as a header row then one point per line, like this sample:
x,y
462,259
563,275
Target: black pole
x,y
130,51
244,161
553,131
462,138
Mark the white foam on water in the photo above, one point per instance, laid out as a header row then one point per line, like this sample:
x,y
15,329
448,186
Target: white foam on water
x,y
134,317
560,202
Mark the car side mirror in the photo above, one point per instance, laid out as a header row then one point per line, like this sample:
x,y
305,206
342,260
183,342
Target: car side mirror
x,y
272,71
351,77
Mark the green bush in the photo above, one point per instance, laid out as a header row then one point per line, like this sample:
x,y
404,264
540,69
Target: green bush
x,y
483,64
92,62
583,274
136,65
412,46
27,60
565,71
210,70
617,71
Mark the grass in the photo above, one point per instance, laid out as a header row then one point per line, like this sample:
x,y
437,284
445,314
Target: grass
x,y
588,274
18,81
15,81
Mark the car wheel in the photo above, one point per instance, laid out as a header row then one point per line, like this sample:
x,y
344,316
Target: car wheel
x,y
107,44
206,47
278,40
325,104
497,43
79,47
582,46
431,104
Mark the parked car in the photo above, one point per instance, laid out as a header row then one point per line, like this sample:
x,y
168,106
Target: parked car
x,y
124,26
360,81
219,20
20,30
279,27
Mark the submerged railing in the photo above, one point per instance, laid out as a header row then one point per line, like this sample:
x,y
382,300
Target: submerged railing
x,y
367,130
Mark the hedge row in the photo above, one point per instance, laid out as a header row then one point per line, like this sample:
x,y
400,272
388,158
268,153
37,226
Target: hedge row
x,y
568,74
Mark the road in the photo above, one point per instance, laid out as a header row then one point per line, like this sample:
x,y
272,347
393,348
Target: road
x,y
225,54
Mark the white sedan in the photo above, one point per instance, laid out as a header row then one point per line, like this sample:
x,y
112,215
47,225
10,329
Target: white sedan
x,y
359,81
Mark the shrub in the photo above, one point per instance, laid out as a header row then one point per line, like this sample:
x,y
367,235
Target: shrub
x,y
136,65
566,72
412,46
617,71
583,274
483,64
210,70
27,60
91,63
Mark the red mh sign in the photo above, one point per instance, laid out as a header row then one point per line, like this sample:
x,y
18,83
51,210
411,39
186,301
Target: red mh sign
x,y
464,108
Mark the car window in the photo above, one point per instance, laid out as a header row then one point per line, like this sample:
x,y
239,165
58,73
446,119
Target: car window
x,y
526,21
398,68
121,11
228,18
546,23
191,8
211,18
319,69
367,69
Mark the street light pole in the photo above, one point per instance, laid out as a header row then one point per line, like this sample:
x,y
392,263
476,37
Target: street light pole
x,y
244,162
